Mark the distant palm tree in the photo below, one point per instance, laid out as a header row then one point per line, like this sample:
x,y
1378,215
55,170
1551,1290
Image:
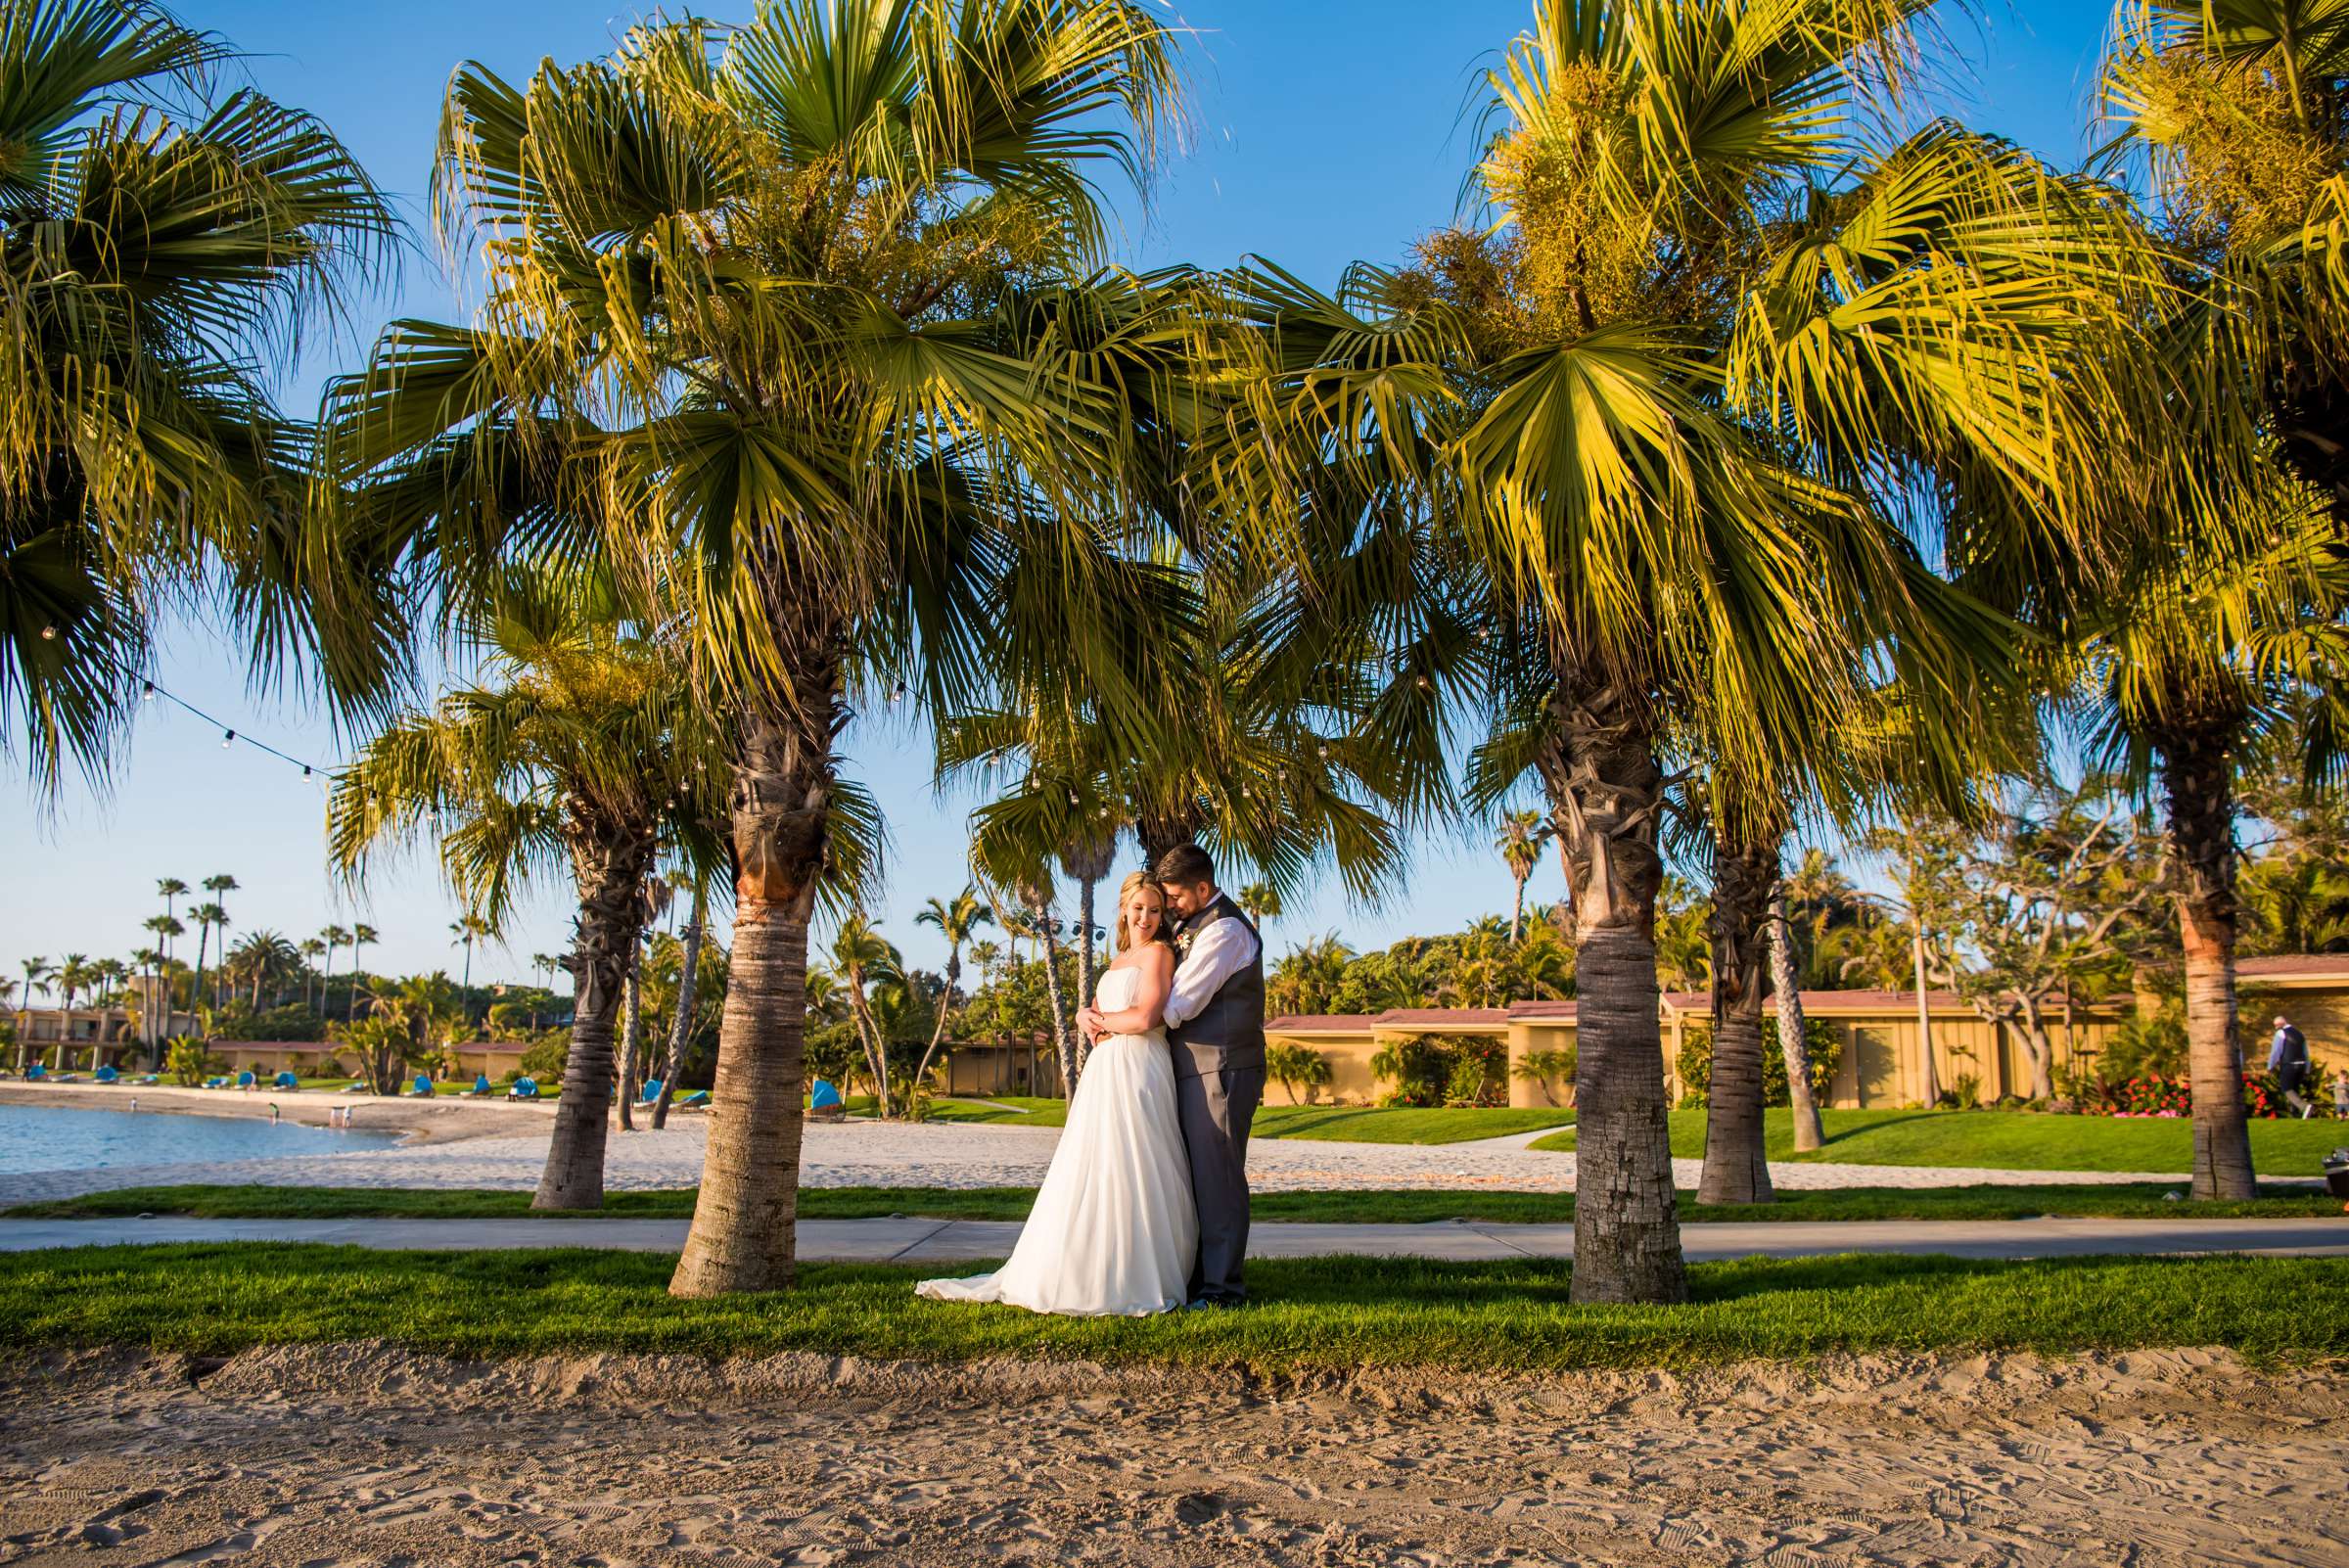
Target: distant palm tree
x,y
1262,902
311,951
207,916
360,936
861,956
956,919
468,930
36,978
263,957
333,936
1522,835
156,1020
173,888
218,886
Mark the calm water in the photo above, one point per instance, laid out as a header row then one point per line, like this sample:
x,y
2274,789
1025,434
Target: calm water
x,y
42,1138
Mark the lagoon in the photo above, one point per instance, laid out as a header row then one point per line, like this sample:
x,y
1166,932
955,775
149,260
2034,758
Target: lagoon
x,y
42,1138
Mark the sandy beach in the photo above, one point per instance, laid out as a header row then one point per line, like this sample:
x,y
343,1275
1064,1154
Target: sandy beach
x,y
459,1143
338,1457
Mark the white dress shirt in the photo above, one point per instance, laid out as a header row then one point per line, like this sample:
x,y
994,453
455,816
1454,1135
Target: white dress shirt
x,y
1220,950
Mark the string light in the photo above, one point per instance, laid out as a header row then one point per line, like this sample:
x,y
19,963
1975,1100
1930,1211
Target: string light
x,y
318,773
48,634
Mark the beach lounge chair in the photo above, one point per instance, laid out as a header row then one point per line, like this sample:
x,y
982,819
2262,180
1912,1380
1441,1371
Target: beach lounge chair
x,y
148,1077
824,1103
480,1087
35,1073
354,1089
246,1081
652,1092
107,1074
423,1086
698,1100
524,1088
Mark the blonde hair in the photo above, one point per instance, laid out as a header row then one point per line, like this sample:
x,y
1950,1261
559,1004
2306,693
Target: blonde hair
x,y
1133,879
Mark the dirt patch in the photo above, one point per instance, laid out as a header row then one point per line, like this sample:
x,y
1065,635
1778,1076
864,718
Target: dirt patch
x,y
368,1454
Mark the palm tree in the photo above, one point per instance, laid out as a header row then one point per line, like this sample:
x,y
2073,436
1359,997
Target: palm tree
x,y
1522,835
1086,858
680,1028
157,269
312,950
862,957
36,978
469,928
172,889
1644,402
217,887
1260,901
956,919
2234,628
859,213
150,962
362,934
208,915
334,937
262,958
156,1014
581,747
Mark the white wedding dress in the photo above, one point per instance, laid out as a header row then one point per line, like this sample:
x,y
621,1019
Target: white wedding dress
x,y
1113,1232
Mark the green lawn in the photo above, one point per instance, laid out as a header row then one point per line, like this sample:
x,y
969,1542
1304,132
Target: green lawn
x,y
1311,1316
1349,1124
2015,1140
1407,1207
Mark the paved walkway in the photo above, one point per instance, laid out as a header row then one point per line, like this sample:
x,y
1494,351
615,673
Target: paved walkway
x,y
945,1154
945,1241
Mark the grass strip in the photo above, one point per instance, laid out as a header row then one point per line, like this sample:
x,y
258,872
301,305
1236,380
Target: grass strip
x,y
2132,1201
2013,1141
1310,1315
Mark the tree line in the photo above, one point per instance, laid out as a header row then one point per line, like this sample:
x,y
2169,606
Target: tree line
x,y
1728,466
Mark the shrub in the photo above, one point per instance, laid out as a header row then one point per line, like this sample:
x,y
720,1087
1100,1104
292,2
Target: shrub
x,y
1695,1063
1547,1070
1290,1065
188,1060
1430,1070
545,1059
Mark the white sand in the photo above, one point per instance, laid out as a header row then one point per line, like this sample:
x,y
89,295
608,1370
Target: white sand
x,y
339,1456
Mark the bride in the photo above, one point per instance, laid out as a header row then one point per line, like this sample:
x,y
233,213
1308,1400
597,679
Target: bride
x,y
1113,1231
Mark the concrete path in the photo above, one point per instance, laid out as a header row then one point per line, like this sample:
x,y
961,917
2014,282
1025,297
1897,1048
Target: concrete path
x,y
962,1240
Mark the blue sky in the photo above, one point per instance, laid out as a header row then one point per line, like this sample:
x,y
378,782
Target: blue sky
x,y
1323,132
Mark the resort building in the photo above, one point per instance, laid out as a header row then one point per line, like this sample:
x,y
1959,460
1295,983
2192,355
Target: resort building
x,y
1882,1034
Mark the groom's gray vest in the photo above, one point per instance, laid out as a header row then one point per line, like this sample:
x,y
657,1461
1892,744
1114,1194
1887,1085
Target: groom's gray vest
x,y
1229,1031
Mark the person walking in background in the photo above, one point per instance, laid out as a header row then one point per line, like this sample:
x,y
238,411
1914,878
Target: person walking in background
x,y
2340,1094
2287,1059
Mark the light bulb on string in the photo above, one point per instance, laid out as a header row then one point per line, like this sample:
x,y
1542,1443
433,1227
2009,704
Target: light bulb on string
x,y
49,633
146,691
228,740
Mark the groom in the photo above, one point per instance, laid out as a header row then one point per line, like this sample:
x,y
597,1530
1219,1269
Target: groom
x,y
1216,1021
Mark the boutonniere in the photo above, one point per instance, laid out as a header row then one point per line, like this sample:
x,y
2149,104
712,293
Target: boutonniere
x,y
1182,941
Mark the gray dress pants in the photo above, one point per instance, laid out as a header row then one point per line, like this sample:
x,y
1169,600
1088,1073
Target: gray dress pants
x,y
1215,1110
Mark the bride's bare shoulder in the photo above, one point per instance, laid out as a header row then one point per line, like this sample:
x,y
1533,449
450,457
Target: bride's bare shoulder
x,y
1158,958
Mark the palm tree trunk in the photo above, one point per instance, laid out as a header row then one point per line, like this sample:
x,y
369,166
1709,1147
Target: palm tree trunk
x,y
680,1028
204,934
743,1224
2201,801
1793,1044
1086,976
1736,1167
938,1028
1606,790
1063,1038
610,861
631,1013
1517,914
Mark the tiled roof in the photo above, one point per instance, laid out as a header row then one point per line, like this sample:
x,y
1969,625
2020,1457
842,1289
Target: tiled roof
x,y
2293,966
1444,1017
1306,1022
1549,1007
